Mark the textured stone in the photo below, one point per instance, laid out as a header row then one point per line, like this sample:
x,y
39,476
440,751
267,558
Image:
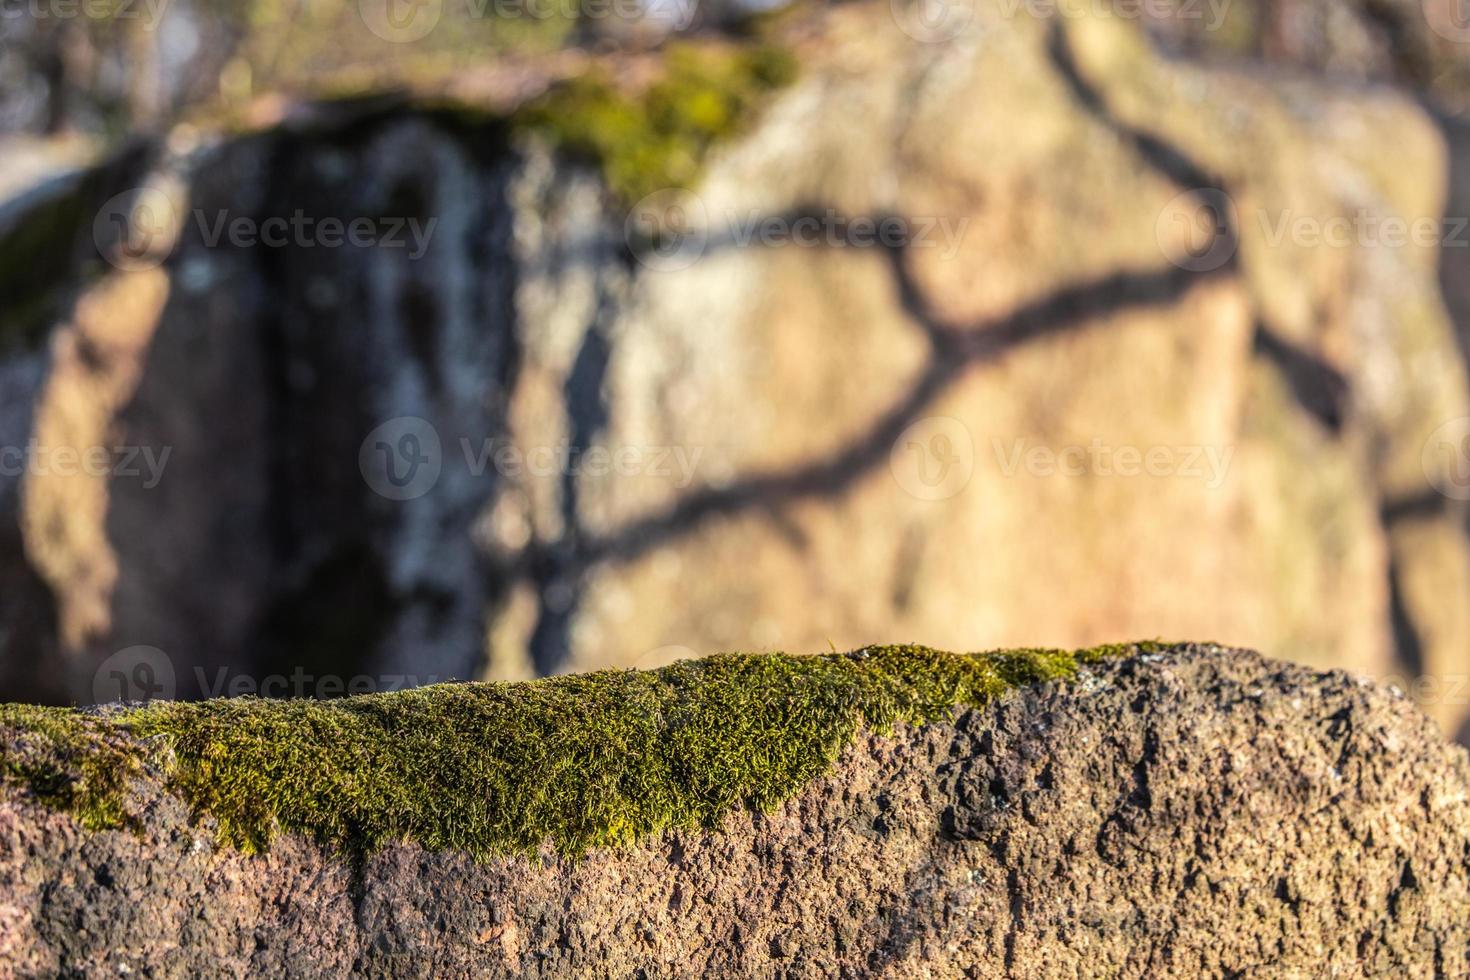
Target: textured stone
x,y
1200,812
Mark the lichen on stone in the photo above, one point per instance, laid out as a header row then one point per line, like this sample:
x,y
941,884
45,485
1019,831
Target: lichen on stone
x,y
658,138
575,762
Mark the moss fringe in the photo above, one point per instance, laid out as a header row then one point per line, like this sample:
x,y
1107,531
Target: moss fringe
x,y
659,138
579,762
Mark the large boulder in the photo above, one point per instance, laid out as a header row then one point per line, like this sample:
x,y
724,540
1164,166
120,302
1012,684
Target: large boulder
x,y
1099,334
1188,811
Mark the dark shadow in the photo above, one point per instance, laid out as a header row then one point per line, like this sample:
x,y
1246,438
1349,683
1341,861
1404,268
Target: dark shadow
x,y
1165,159
1408,645
264,550
955,349
559,587
1454,252
1319,388
1427,504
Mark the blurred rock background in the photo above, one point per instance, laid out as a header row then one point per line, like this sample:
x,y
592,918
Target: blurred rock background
x,y
1163,336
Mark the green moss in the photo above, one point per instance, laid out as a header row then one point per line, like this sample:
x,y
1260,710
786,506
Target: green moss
x,y
582,761
71,761
659,138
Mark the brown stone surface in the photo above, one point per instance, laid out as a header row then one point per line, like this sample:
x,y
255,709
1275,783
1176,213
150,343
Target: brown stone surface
x,y
1204,812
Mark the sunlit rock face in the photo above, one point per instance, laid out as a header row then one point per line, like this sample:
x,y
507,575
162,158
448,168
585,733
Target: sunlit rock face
x,y
1183,813
1017,334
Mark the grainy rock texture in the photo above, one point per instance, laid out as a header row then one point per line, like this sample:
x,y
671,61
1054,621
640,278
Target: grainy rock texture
x,y
1199,812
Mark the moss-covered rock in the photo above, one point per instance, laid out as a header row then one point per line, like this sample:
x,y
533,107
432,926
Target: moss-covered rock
x,y
580,761
1193,812
658,138
47,247
36,254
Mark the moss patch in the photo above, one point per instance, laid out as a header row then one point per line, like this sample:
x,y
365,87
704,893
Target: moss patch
x,y
658,138
70,760
582,761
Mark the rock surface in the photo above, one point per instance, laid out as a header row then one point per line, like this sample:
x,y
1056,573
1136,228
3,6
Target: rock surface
x,y
1199,812
772,405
